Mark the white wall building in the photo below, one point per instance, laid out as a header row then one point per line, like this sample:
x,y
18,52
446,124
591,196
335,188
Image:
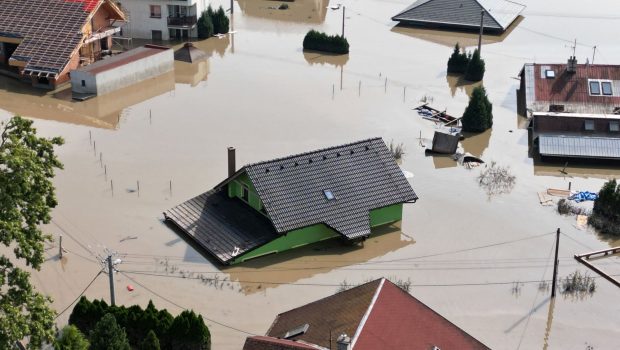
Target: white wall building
x,y
162,19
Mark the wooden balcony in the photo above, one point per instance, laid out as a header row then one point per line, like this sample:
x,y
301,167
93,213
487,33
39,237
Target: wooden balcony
x,y
182,21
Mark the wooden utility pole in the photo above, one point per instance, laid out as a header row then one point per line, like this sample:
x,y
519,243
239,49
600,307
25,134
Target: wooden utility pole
x,y
343,21
555,263
481,29
232,7
111,277
60,247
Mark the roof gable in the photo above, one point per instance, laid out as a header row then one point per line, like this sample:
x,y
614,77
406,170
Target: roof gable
x,y
362,176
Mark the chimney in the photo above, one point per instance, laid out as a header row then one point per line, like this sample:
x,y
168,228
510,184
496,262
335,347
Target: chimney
x,y
232,168
344,342
571,66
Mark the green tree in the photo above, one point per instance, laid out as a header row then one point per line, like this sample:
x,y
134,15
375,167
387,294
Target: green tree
x,y
27,164
205,26
189,332
318,41
71,339
108,335
220,21
478,115
457,63
475,67
151,342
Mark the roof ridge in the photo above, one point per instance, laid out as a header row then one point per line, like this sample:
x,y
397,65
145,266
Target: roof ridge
x,y
312,152
358,331
489,13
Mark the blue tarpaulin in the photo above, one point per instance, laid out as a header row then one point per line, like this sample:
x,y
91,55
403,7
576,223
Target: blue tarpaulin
x,y
584,196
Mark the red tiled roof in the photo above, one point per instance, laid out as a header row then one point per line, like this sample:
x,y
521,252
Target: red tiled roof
x,y
399,321
270,343
88,5
573,87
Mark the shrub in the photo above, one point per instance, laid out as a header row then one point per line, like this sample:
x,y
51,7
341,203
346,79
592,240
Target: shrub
x,y
475,67
606,212
397,150
71,339
478,115
457,63
108,335
322,42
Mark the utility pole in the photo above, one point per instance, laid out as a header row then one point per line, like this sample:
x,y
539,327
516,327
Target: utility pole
x,y
111,276
343,8
481,29
232,7
555,263
60,247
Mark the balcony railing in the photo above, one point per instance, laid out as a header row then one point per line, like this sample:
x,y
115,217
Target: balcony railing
x,y
178,21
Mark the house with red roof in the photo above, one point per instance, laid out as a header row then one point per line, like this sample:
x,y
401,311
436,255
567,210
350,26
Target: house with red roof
x,y
42,41
574,109
375,315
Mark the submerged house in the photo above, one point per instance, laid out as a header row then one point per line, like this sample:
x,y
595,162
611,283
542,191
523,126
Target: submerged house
x,y
574,109
375,315
272,206
497,15
41,41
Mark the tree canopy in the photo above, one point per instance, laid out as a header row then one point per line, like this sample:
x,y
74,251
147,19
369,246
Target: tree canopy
x,y
606,212
108,335
475,67
71,339
27,165
478,115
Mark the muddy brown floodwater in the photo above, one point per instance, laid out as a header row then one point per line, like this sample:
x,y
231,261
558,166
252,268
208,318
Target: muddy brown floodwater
x,y
475,259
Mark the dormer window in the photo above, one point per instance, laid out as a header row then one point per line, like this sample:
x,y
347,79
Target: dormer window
x,y
595,87
600,87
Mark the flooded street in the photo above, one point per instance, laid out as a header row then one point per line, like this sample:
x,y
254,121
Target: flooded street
x,y
474,258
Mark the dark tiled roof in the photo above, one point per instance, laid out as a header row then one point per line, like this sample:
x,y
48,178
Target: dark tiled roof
x,y
465,14
361,175
190,54
270,343
51,30
570,87
225,226
331,316
579,146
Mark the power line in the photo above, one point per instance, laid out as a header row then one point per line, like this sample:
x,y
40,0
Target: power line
x,y
80,295
184,308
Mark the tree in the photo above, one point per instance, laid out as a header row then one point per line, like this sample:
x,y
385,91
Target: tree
x,y
189,332
27,164
108,335
220,21
475,67
71,339
478,115
205,26
150,342
457,63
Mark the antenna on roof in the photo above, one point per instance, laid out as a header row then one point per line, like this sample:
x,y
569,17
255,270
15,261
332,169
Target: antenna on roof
x,y
593,54
571,66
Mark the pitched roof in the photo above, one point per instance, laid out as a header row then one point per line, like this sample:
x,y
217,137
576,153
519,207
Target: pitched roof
x,y
51,30
377,315
464,14
270,343
361,175
570,88
189,53
579,146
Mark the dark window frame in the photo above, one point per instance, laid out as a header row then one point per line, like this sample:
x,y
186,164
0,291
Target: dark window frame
x,y
610,92
153,13
597,91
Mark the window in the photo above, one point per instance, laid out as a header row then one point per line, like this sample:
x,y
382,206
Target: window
x,y
329,195
245,194
607,89
595,87
614,126
549,74
83,83
156,35
155,11
589,125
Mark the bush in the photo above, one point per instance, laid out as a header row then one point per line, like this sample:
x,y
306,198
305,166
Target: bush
x,y
108,335
322,42
205,26
475,67
478,115
457,63
606,212
71,339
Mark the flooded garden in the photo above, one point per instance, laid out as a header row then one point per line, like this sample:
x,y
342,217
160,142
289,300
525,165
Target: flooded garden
x,y
478,252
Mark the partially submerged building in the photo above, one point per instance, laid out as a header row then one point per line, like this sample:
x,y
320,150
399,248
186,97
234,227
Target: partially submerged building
x,y
272,206
497,15
574,109
375,315
41,41
125,69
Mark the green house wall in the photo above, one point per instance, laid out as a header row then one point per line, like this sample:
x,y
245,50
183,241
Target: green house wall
x,y
235,189
318,232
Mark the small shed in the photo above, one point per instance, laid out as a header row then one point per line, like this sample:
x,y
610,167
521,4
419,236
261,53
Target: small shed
x,y
122,70
445,143
190,54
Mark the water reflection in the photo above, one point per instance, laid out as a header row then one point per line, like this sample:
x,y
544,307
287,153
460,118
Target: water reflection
x,y
457,81
191,73
100,112
313,57
293,265
450,38
476,143
214,45
302,11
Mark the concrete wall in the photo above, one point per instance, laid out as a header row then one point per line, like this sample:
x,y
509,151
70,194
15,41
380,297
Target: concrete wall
x,y
124,75
141,24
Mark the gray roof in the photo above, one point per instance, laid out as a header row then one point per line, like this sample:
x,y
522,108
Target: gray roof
x,y
362,176
463,14
579,146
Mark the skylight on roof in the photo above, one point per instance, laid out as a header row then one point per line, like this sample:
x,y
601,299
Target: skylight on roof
x,y
607,89
595,87
329,195
549,74
297,331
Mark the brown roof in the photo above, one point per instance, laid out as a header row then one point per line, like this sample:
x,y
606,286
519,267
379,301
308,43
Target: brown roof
x,y
573,87
269,343
376,315
327,318
190,54
51,30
